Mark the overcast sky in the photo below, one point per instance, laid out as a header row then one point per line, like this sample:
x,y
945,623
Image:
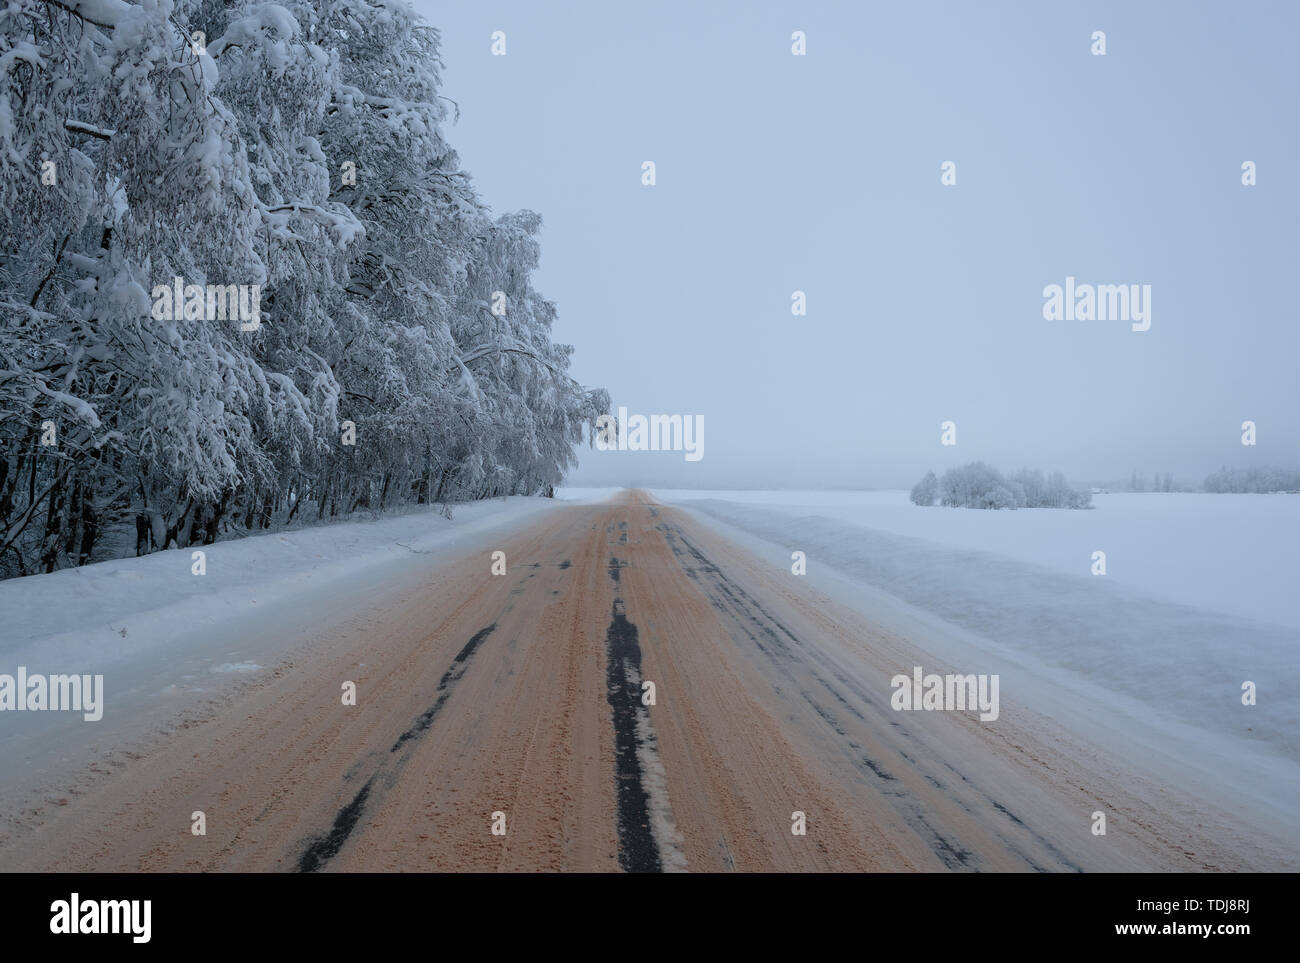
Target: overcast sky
x,y
821,173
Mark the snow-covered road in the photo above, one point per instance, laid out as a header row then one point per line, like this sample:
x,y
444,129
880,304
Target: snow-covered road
x,y
518,703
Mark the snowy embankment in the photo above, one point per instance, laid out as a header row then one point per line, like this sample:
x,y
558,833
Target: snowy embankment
x,y
83,619
1167,629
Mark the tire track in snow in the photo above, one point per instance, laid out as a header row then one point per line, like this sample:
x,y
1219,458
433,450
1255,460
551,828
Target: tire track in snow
x,y
321,849
781,648
647,838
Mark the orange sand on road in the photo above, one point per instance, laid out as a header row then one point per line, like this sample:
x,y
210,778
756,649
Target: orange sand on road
x,y
482,695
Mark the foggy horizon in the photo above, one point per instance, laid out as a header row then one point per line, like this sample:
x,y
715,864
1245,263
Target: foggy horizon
x,y
924,301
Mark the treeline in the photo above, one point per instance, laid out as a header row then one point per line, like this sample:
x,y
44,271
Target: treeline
x,y
1159,483
389,346
978,485
1243,480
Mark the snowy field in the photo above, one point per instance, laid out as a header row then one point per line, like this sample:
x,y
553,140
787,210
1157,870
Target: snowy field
x,y
1176,625
1236,554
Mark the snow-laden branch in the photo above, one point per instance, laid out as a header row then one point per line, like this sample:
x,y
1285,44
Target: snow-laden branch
x,y
102,13
79,407
78,127
484,350
343,224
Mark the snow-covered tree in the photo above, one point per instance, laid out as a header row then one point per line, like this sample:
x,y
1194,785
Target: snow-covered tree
x,y
978,485
1253,480
926,491
295,150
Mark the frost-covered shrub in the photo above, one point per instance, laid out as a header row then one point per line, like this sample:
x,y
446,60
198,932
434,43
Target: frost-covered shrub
x,y
999,496
970,485
926,491
978,485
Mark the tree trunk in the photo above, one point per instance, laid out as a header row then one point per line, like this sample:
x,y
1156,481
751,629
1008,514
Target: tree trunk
x,y
143,534
53,526
89,530
214,520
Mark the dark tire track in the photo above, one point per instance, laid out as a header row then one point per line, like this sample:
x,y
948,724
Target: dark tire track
x,y
320,850
637,850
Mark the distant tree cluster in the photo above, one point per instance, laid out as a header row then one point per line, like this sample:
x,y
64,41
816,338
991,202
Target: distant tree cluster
x,y
1159,483
1240,481
978,485
290,155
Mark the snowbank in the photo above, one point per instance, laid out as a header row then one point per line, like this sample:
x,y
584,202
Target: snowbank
x,y
84,618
